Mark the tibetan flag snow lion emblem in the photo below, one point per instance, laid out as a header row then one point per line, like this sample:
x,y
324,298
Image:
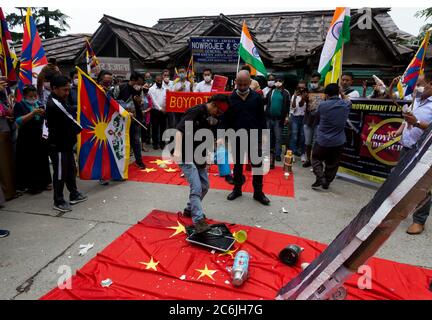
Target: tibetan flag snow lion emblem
x,y
103,144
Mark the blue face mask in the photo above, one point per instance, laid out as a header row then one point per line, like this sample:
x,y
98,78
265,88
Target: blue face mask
x,y
31,102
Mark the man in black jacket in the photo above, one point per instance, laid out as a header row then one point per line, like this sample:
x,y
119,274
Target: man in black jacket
x,y
246,112
278,104
62,137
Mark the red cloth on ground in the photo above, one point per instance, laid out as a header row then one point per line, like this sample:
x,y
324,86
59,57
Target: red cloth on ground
x,y
274,182
153,238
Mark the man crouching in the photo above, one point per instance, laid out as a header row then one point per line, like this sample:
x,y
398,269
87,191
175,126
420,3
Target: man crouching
x,y
193,164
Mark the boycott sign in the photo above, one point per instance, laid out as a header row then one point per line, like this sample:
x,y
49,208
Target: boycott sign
x,y
181,101
370,153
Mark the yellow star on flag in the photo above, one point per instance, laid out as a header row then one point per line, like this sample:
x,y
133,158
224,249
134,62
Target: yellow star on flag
x,y
160,161
151,264
206,272
228,253
148,170
170,170
178,229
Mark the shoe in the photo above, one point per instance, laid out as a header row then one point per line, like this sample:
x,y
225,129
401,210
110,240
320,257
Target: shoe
x,y
278,158
201,226
229,178
140,165
325,185
234,195
64,207
103,182
415,228
187,213
317,184
4,233
262,198
303,158
79,198
307,164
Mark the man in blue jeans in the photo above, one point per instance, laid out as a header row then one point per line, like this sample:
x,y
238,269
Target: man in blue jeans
x,y
299,103
195,170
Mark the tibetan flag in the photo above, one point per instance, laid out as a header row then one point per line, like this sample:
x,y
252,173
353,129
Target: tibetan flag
x,y
190,70
33,57
8,58
249,53
408,81
330,65
103,144
91,59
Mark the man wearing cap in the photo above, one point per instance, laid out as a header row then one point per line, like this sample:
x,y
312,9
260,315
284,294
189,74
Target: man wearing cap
x,y
202,116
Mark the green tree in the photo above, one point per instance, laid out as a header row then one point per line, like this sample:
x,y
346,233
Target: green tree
x,y
427,14
50,23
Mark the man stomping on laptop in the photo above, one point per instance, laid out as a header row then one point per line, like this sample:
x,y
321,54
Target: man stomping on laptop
x,y
199,117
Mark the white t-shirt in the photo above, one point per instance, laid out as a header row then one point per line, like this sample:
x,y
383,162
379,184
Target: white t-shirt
x,y
182,86
204,86
158,96
422,110
353,94
298,110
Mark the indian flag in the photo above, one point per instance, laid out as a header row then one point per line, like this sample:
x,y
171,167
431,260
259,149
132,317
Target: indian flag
x,y
330,65
249,53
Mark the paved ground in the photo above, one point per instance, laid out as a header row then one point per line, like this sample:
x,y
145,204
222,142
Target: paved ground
x,y
41,241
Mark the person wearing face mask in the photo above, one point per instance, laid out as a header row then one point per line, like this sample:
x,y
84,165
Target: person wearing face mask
x,y
158,116
44,78
73,95
315,96
181,84
206,84
418,90
411,130
278,106
246,112
130,97
167,82
32,175
147,105
299,104
270,85
148,79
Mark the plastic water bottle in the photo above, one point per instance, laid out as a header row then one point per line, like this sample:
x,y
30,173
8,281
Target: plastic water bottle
x,y
240,268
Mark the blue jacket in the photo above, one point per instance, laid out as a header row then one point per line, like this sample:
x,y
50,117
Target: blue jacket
x,y
332,116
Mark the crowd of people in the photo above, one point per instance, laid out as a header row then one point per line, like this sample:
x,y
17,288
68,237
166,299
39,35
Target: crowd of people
x,y
42,128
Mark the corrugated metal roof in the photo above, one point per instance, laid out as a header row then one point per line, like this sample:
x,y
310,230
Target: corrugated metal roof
x,y
63,48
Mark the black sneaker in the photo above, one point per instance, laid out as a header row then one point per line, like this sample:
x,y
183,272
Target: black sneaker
x,y
201,226
229,178
307,164
187,213
317,184
325,184
140,165
234,195
262,199
4,233
64,207
103,182
79,198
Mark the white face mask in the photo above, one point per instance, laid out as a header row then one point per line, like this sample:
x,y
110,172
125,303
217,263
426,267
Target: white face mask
x,y
47,85
270,83
314,86
207,79
75,82
31,101
137,87
166,79
420,89
278,84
